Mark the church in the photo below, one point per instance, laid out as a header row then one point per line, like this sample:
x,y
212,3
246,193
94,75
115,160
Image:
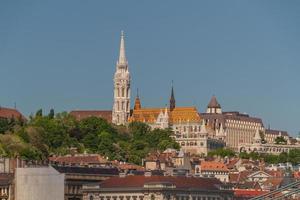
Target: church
x,y
186,122
122,114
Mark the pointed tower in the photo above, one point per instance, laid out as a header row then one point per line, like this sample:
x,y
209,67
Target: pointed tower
x,y
172,99
257,138
137,102
121,106
213,106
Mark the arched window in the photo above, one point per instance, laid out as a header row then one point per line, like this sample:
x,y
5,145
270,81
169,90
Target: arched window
x,y
91,197
123,91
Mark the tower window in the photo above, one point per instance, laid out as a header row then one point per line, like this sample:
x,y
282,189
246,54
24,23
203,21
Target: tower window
x,y
123,91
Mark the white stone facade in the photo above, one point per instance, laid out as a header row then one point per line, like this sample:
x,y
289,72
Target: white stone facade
x,y
121,105
196,140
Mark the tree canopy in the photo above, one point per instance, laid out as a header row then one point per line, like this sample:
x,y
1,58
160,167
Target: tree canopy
x,y
45,135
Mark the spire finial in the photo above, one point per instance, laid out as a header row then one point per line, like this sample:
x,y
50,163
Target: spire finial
x,y
137,93
122,56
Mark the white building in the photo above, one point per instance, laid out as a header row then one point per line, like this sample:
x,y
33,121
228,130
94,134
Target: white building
x,y
40,183
259,147
239,127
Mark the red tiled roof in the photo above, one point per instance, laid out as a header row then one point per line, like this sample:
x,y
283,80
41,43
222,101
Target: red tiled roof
x,y
239,177
82,114
213,166
297,174
274,173
179,182
129,166
232,163
273,183
10,113
79,159
248,193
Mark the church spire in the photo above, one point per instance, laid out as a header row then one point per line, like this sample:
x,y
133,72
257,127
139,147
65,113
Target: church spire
x,y
122,56
121,106
137,102
172,99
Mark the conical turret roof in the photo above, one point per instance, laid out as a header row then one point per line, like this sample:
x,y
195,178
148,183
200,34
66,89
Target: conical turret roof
x,y
213,103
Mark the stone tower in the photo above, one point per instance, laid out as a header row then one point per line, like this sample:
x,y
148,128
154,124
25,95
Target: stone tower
x,y
121,106
213,106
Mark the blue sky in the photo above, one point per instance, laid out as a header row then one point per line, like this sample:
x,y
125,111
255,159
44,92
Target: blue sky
x,y
62,55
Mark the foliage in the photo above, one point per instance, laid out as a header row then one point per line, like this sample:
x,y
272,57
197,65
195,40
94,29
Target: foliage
x,y
293,156
44,135
222,152
280,140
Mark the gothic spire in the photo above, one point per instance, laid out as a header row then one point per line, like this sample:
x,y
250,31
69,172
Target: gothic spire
x,y
172,99
137,102
122,56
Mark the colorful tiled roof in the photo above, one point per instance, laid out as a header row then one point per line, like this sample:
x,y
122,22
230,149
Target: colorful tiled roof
x,y
177,115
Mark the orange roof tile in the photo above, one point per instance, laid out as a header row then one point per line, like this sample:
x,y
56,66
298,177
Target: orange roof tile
x,y
179,114
213,166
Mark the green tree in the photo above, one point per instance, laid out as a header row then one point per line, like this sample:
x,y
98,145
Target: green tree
x,y
222,152
51,113
39,113
280,140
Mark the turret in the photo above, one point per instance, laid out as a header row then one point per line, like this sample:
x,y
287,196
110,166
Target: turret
x,y
213,106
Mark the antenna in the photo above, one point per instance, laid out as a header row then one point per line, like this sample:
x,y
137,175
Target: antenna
x,y
15,105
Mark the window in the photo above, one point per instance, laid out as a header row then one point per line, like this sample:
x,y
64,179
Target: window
x,y
91,197
123,92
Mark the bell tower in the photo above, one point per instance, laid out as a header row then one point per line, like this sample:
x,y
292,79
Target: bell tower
x,y
121,105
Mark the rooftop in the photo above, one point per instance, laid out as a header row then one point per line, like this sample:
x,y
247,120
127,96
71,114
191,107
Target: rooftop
x,y
180,182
